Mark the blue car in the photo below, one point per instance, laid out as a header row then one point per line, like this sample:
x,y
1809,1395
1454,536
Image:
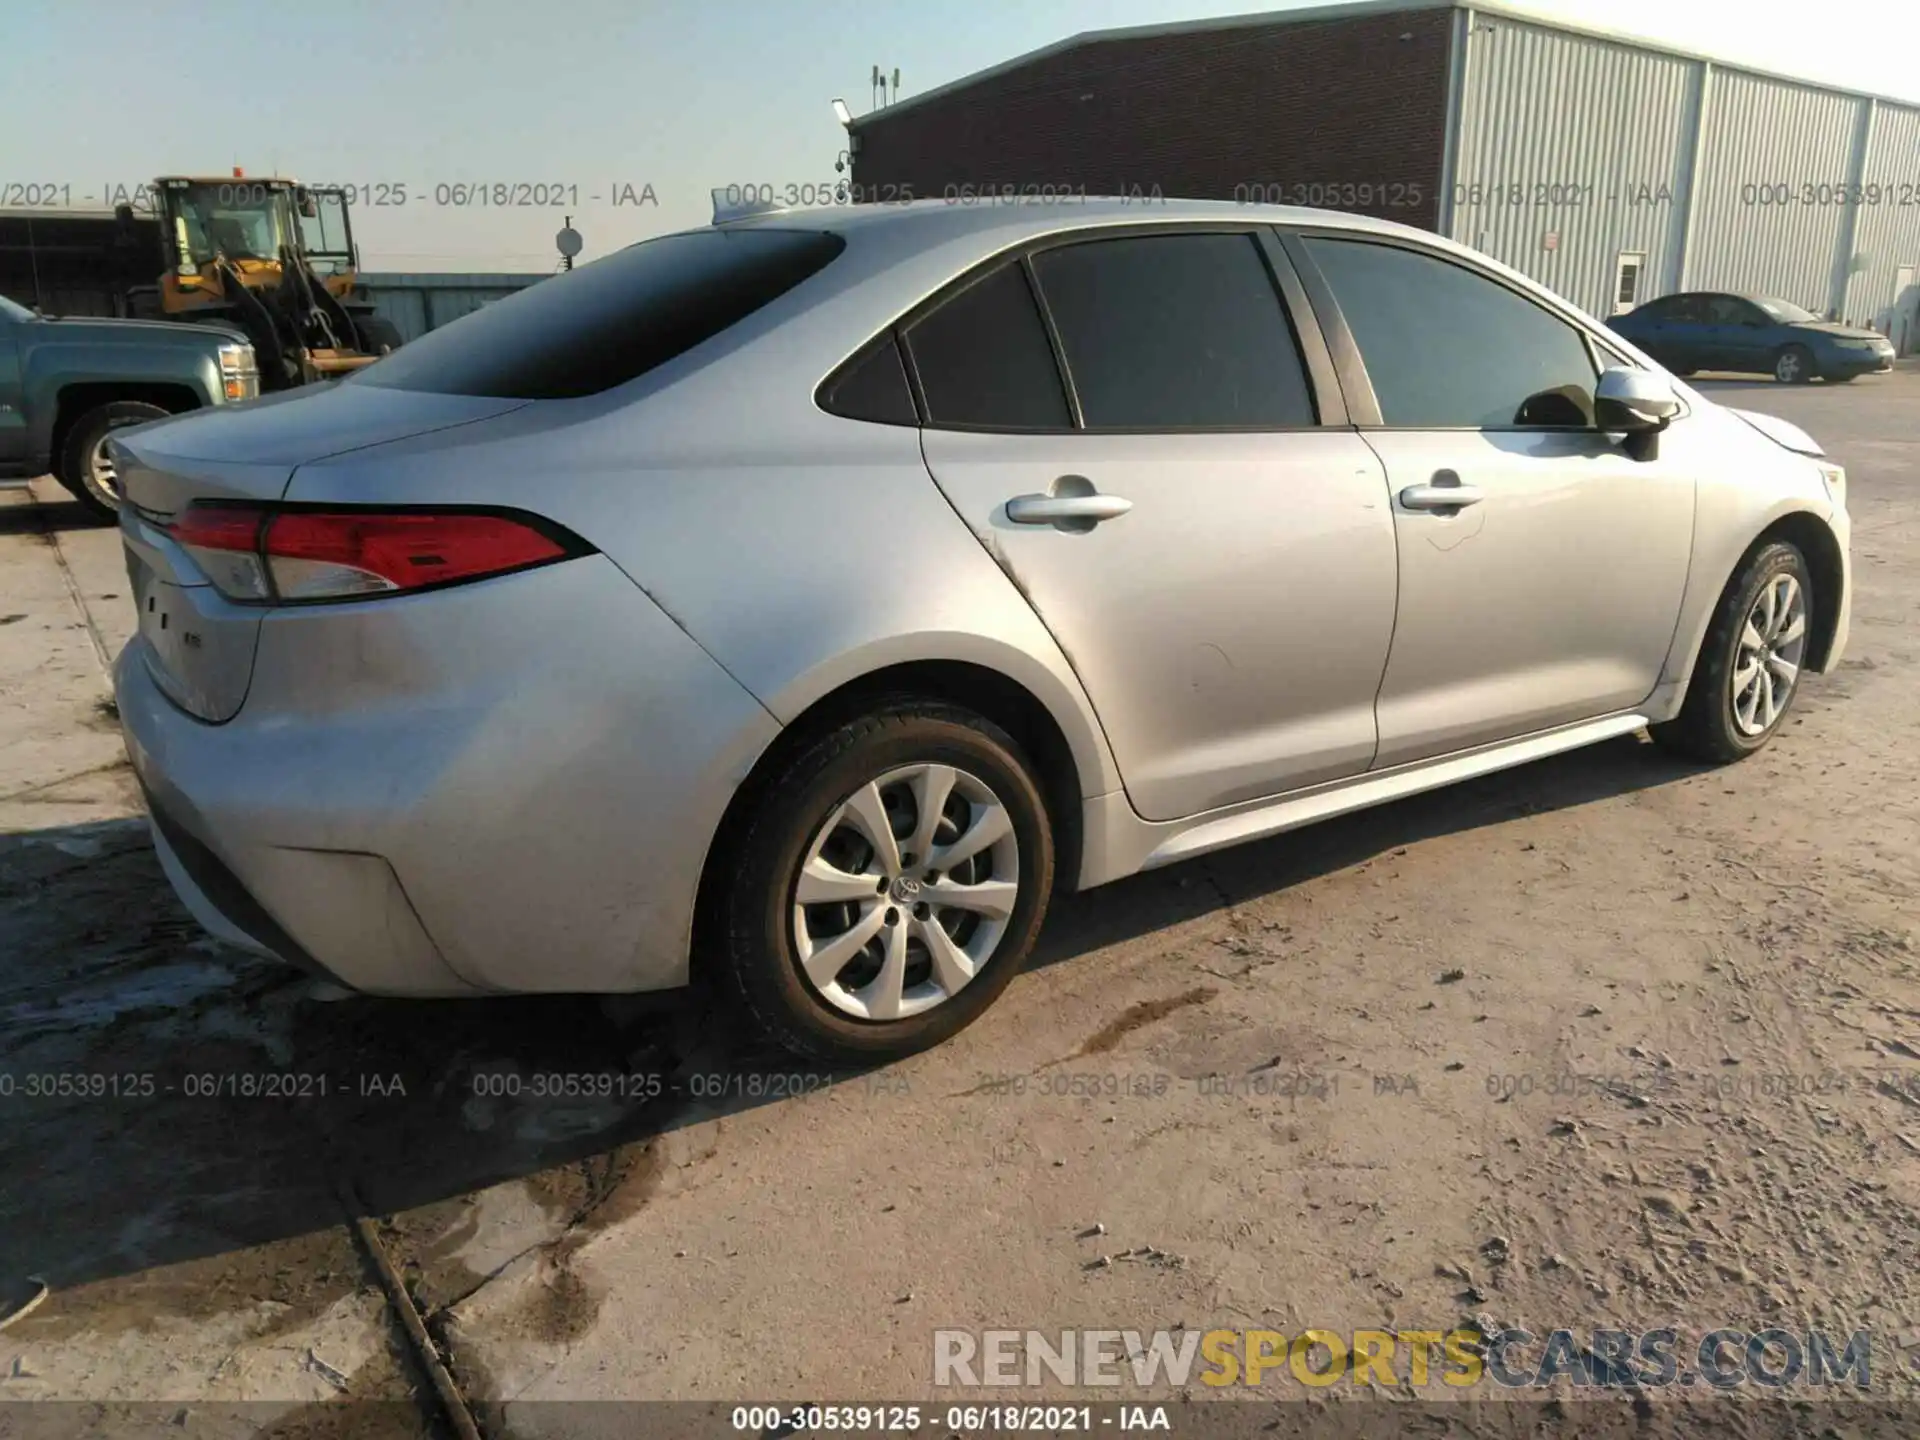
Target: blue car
x,y
1703,330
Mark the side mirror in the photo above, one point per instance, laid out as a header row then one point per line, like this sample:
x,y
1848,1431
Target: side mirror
x,y
1636,401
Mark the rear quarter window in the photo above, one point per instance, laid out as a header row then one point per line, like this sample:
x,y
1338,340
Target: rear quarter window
x,y
588,330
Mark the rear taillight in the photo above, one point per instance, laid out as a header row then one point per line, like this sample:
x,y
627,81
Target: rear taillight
x,y
269,555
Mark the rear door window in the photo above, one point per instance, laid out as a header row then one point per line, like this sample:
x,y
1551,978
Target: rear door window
x,y
1175,332
606,323
872,386
984,361
1672,309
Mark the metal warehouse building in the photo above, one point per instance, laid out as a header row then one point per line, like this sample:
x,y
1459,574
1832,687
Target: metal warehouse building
x,y
1610,169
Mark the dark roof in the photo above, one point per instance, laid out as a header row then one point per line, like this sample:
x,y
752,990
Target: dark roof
x,y
1351,9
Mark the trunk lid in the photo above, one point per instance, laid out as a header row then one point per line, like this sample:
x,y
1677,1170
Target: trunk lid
x,y
197,645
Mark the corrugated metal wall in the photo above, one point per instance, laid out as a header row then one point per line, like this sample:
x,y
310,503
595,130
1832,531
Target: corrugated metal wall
x,y
419,303
1571,143
1888,234
1573,150
1766,142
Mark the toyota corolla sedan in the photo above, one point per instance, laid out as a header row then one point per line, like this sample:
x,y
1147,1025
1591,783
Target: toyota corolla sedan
x,y
803,599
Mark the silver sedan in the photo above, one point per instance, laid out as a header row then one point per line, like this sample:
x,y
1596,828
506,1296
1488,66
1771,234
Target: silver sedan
x,y
809,595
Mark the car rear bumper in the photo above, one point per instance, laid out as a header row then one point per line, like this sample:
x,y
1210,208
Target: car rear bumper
x,y
502,787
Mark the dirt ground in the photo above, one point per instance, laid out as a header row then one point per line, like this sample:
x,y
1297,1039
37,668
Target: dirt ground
x,y
1603,1041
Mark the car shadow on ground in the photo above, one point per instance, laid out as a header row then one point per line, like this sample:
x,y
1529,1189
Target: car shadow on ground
x,y
58,514
163,1099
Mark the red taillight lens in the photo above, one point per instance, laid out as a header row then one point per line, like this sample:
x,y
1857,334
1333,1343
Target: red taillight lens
x,y
224,541
219,527
262,553
316,554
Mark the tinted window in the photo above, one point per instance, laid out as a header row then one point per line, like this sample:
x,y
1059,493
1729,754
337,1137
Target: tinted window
x,y
599,326
1446,347
1174,331
1673,308
1725,310
872,386
983,359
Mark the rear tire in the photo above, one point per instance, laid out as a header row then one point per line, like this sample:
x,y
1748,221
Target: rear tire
x,y
84,468
1793,365
1741,691
801,969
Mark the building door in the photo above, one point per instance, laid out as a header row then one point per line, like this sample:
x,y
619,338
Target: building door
x,y
1627,271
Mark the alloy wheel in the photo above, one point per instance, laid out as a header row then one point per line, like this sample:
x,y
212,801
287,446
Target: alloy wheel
x,y
1787,368
905,892
1766,664
101,473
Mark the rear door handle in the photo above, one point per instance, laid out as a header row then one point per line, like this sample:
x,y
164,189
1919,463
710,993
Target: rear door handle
x,y
1440,497
1053,509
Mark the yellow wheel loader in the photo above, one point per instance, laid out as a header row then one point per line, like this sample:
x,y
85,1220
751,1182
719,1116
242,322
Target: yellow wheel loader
x,y
275,260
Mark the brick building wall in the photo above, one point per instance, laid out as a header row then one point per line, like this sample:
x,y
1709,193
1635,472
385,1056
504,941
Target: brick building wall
x,y
1306,109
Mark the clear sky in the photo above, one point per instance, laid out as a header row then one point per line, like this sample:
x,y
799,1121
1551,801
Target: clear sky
x,y
596,95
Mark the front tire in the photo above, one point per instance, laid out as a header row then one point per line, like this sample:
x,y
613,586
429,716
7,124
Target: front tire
x,y
85,469
889,885
1793,365
1750,664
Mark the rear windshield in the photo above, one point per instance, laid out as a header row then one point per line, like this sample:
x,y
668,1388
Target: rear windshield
x,y
590,329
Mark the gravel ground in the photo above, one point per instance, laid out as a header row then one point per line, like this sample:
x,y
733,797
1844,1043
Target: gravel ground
x,y
1604,1041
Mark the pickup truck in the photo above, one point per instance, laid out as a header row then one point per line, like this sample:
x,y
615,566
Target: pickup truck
x,y
65,382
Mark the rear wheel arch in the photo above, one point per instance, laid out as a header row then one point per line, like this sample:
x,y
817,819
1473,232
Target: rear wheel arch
x,y
977,688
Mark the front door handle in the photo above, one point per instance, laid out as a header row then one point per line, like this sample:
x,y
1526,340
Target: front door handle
x,y
1055,509
1440,497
